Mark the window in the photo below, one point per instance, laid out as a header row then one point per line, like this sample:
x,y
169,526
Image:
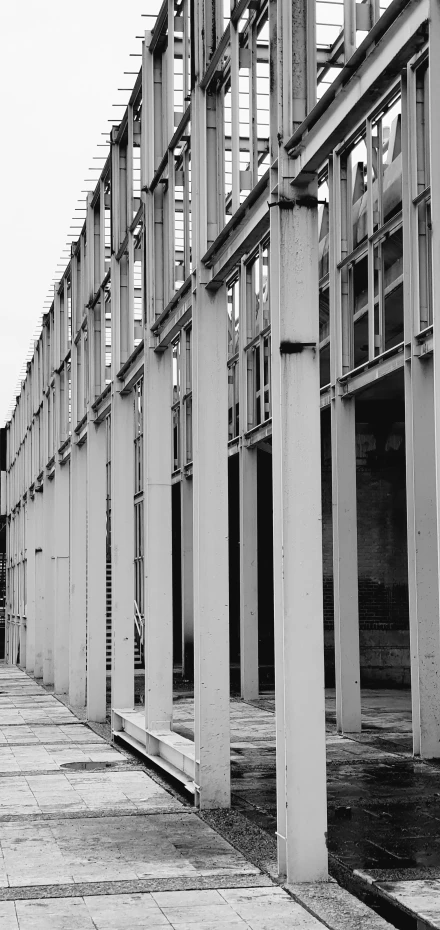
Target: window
x,y
371,243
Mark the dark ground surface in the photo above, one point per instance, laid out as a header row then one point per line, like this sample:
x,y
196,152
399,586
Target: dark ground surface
x,y
383,805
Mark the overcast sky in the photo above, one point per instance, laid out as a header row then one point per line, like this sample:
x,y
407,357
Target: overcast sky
x,y
60,66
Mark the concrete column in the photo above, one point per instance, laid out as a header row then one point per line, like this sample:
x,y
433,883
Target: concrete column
x,y
122,490
30,584
62,594
49,580
78,567
422,557
96,571
248,574
210,479
345,567
22,633
39,584
422,422
298,599
158,541
186,522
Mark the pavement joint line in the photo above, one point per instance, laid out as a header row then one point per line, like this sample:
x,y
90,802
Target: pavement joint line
x,y
135,886
44,723
54,742
119,767
97,813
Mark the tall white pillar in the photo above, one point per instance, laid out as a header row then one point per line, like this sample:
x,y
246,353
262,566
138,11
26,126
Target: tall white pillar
x,y
345,564
39,584
78,568
62,594
248,574
186,523
30,583
49,580
158,540
422,423
298,599
211,596
422,558
96,571
122,530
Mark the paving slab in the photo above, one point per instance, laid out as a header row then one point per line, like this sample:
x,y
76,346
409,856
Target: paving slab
x,y
114,849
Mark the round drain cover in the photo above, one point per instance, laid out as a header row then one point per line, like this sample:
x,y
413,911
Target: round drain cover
x,y
89,766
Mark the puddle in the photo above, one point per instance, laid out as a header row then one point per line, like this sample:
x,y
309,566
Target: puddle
x,y
89,766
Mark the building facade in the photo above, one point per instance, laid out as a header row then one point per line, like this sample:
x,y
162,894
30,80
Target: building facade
x,y
225,446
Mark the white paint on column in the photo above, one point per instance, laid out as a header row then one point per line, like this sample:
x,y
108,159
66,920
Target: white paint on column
x,y
345,566
96,571
122,491
30,584
158,541
423,558
298,605
211,595
62,594
49,580
78,606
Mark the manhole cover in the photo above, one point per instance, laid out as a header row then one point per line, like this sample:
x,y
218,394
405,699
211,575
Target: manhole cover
x,y
89,766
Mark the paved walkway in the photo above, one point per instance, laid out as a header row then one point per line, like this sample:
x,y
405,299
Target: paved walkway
x,y
89,840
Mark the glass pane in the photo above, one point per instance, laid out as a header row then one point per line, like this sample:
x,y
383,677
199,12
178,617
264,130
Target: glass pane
x,y
392,278
360,285
425,263
392,161
357,194
265,289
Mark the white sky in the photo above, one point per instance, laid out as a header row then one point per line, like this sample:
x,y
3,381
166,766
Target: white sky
x,y
60,66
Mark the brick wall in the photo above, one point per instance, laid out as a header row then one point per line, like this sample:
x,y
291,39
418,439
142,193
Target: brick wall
x,y
382,550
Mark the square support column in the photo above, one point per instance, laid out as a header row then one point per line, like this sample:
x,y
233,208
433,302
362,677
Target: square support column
x,y
30,584
39,584
248,574
96,571
345,563
211,614
62,593
158,541
422,421
186,522
122,491
422,557
78,568
49,580
298,599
